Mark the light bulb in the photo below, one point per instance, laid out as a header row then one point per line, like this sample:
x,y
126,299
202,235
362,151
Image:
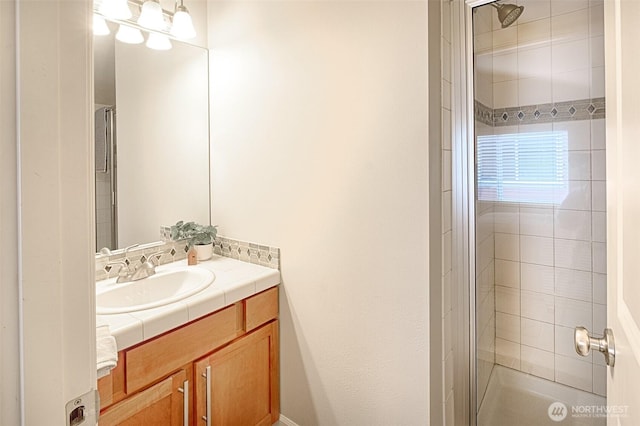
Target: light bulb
x,y
158,42
182,27
115,9
151,15
100,27
130,35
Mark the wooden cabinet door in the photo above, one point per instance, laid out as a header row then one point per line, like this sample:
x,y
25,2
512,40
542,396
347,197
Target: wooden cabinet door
x,y
161,404
239,384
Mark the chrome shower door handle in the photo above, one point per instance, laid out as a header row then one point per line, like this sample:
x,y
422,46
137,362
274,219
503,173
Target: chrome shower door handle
x,y
605,344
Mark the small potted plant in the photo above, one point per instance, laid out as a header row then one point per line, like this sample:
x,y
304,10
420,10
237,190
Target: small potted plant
x,y
200,237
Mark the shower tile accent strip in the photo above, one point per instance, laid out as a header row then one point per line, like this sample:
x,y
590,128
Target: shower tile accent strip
x,y
171,251
583,109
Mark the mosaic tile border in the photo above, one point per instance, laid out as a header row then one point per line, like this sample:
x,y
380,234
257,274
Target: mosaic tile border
x,y
172,251
554,112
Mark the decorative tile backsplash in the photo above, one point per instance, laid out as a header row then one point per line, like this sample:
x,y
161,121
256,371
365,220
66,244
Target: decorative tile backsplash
x,y
170,251
582,109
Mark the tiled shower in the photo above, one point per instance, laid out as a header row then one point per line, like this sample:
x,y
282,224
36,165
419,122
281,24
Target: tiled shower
x,y
540,195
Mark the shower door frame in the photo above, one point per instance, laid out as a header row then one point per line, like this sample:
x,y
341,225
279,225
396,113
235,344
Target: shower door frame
x,y
464,187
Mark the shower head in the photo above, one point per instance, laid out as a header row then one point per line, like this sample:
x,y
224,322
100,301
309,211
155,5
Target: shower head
x,y
508,13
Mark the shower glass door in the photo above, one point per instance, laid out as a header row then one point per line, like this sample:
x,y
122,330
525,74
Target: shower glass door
x,y
540,209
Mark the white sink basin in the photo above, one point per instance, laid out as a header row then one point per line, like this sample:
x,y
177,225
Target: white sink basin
x,y
161,289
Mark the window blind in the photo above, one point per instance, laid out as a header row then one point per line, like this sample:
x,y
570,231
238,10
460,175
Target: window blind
x,y
523,167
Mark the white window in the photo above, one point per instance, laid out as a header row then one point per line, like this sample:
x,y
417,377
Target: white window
x,y
523,167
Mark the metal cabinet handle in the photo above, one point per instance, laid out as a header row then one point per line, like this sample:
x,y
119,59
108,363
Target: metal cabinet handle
x,y
207,376
185,402
605,344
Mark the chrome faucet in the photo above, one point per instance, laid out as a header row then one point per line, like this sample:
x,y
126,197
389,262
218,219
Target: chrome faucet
x,y
127,273
146,269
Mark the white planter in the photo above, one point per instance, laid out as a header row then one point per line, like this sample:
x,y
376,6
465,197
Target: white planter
x,y
205,251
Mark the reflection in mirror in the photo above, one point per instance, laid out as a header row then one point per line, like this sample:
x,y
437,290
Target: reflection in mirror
x,y
152,139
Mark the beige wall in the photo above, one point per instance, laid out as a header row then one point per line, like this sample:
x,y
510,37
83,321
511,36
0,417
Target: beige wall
x,y
319,146
9,343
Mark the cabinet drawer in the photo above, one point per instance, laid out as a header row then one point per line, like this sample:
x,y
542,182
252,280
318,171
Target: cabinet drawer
x,y
261,308
154,359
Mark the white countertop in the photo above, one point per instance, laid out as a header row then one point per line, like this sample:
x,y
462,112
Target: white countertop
x,y
235,280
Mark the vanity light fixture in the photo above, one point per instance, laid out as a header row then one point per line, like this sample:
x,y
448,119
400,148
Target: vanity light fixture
x,y
182,24
158,42
100,25
151,15
159,23
129,35
115,9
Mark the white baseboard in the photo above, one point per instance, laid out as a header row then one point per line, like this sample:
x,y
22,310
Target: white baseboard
x,y
287,421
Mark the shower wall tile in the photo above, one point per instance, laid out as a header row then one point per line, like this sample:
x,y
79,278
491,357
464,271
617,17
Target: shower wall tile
x,y
574,373
596,20
572,254
507,246
506,66
537,278
571,313
569,26
598,164
599,258
599,196
536,221
571,85
536,9
572,224
483,43
507,300
537,306
508,327
506,218
483,20
537,362
559,7
535,32
599,317
570,56
507,273
596,45
534,62
597,82
508,353
505,94
546,271
564,343
579,165
537,334
537,250
573,284
534,91
599,282
505,38
600,380
598,137
578,196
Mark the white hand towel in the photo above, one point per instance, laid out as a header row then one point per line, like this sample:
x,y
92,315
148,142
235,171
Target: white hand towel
x,y
106,350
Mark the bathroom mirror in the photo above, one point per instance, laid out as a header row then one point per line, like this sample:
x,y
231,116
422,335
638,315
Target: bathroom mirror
x,y
152,143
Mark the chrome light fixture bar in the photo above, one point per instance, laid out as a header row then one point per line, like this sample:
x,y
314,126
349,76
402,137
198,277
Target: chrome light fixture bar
x,y
162,22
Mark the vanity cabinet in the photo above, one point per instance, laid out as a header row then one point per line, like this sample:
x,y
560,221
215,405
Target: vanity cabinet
x,y
235,385
161,404
223,367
